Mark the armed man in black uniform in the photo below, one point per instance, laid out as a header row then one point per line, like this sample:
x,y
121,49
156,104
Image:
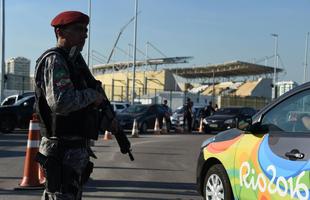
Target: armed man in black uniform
x,y
68,99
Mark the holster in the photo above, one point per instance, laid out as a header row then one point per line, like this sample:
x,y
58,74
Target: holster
x,y
52,168
87,171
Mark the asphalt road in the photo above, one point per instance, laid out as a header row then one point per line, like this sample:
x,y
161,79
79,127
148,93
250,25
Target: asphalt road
x,y
164,168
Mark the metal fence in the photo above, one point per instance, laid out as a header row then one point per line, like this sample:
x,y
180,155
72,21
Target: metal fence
x,y
254,102
178,98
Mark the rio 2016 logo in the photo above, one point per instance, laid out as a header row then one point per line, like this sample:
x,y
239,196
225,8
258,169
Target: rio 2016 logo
x,y
276,184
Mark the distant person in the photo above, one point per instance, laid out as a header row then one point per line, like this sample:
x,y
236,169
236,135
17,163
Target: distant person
x,y
168,112
188,114
165,105
306,122
209,110
216,108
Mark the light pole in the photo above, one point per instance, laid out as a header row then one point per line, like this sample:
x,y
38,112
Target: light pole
x,y
274,88
306,60
3,50
134,55
88,41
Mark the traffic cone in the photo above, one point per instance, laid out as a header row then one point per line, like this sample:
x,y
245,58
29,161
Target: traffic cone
x,y
200,126
135,130
164,127
107,135
156,127
31,167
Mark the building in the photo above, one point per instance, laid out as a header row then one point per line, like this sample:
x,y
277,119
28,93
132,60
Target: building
x,y
18,66
17,74
118,85
285,86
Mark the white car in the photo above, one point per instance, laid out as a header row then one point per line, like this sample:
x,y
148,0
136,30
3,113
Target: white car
x,y
119,106
177,117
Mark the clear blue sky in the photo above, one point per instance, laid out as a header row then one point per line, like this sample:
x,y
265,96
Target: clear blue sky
x,y
213,31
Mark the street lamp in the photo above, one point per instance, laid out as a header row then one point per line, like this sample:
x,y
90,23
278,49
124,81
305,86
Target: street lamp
x,y
275,66
2,50
306,59
134,55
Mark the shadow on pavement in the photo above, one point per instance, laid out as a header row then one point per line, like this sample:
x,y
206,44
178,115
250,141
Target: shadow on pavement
x,y
152,153
137,168
20,192
4,153
147,187
5,143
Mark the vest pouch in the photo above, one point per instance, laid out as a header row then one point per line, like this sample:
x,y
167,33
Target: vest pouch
x,y
83,123
91,122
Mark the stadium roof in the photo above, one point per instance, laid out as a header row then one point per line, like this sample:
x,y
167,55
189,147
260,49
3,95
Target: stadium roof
x,y
101,68
227,69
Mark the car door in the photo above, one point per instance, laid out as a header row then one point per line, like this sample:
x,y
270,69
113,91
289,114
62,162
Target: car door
x,y
151,116
25,112
276,165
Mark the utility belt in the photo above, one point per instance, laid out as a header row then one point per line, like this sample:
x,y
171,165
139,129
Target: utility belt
x,y
61,177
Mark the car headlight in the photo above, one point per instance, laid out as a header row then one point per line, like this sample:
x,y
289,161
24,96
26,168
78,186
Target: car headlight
x,y
204,121
229,121
207,142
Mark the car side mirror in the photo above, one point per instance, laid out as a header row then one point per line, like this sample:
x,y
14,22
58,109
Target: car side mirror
x,y
258,128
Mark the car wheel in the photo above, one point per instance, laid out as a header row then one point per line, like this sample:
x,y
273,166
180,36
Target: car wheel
x,y
143,128
216,184
207,129
7,125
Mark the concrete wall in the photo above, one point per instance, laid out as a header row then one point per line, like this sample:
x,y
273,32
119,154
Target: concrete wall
x,y
155,81
263,88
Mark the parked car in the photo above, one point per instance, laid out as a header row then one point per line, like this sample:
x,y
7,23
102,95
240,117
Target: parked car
x,y
227,118
268,159
145,116
17,115
10,100
119,106
177,117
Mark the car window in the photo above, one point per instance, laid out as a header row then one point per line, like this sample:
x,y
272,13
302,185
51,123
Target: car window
x,y
291,115
29,99
136,109
9,101
247,111
227,111
118,106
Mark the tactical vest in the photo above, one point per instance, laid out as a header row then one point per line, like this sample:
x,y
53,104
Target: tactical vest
x,y
84,122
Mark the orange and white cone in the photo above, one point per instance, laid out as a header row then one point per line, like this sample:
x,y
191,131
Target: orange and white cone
x,y
164,127
31,178
156,127
200,130
107,135
135,130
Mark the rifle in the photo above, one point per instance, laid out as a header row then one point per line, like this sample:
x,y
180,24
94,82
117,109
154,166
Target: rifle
x,y
106,113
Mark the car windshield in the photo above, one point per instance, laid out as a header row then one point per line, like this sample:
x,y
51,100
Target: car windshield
x,y
227,111
179,110
136,109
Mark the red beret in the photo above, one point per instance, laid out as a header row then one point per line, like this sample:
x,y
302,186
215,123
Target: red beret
x,y
69,17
